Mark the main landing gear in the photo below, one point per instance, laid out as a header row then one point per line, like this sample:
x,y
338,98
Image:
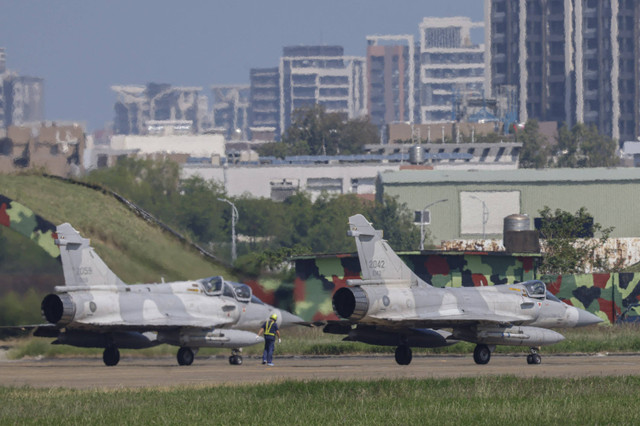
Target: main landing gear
x,y
534,356
482,354
235,358
111,356
186,355
403,355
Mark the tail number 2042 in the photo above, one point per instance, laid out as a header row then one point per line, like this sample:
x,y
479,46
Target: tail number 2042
x,y
376,264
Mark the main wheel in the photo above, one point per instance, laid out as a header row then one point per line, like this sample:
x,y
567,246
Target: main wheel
x,y
403,355
111,356
185,356
481,354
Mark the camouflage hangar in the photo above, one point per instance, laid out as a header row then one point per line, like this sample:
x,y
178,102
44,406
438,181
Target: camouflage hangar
x,y
473,204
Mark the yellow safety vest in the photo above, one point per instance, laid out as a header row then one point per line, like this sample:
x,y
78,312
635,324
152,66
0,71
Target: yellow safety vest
x,y
267,330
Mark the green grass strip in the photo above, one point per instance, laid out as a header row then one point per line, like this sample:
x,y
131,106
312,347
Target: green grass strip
x,y
483,400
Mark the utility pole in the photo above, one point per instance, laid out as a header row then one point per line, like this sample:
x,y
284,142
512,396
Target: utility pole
x,y
234,219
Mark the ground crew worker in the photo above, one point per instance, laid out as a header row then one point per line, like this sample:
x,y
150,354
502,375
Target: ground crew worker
x,y
270,330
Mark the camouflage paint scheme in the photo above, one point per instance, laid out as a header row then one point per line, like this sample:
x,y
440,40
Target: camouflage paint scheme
x,y
24,221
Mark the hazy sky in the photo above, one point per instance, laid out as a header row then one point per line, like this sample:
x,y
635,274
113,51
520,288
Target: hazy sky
x,y
83,47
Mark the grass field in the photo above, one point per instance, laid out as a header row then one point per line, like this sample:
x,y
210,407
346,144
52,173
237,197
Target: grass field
x,y
495,401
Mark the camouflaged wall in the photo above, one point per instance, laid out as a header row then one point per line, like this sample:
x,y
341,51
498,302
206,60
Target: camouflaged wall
x,y
24,221
613,297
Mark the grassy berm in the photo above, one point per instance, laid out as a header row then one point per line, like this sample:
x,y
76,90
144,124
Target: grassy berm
x,y
134,249
483,400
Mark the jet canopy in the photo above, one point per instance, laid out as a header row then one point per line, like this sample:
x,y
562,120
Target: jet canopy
x,y
216,286
535,289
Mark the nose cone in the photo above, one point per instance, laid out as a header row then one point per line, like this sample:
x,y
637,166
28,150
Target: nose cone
x,y
287,319
587,318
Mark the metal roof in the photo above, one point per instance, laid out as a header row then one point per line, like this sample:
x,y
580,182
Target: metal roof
x,y
600,174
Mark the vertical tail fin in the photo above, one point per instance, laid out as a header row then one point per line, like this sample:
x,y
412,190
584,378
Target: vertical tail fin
x,y
81,265
377,259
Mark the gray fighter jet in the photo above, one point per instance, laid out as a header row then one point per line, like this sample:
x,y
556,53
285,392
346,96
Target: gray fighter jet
x,y
392,306
96,309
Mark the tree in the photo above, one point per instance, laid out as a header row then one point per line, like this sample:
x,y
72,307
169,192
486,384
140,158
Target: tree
x,y
582,146
570,246
314,131
535,152
396,221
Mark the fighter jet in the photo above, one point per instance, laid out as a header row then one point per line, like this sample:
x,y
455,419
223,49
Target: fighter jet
x,y
96,309
392,306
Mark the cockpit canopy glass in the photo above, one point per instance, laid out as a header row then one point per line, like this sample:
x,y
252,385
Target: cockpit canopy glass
x,y
212,285
216,286
242,292
535,289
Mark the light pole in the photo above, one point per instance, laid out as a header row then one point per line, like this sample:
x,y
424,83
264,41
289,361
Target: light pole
x,y
422,220
234,218
485,214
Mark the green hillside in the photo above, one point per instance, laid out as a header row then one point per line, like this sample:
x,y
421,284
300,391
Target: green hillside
x,y
136,250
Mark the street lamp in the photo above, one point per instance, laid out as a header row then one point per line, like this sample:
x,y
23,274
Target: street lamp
x,y
422,220
234,218
485,214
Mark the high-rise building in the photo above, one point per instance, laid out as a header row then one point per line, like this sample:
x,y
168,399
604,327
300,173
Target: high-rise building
x,y
572,61
391,79
321,75
451,67
23,99
231,110
264,100
3,60
138,105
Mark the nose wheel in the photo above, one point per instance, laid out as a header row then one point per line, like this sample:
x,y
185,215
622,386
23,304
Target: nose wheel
x,y
235,358
534,357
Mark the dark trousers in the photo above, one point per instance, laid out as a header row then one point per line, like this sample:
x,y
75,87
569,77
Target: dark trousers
x,y
269,344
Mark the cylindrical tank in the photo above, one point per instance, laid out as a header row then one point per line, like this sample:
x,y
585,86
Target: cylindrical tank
x,y
416,154
518,238
517,222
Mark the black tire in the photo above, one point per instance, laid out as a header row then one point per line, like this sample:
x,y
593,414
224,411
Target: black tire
x,y
536,358
529,359
185,356
111,356
235,360
403,355
481,354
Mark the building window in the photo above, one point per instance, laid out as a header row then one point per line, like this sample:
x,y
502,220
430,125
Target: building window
x,y
422,217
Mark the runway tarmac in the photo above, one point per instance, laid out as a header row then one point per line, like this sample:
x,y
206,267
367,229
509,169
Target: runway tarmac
x,y
88,373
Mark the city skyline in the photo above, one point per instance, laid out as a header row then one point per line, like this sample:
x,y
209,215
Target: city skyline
x,y
81,49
